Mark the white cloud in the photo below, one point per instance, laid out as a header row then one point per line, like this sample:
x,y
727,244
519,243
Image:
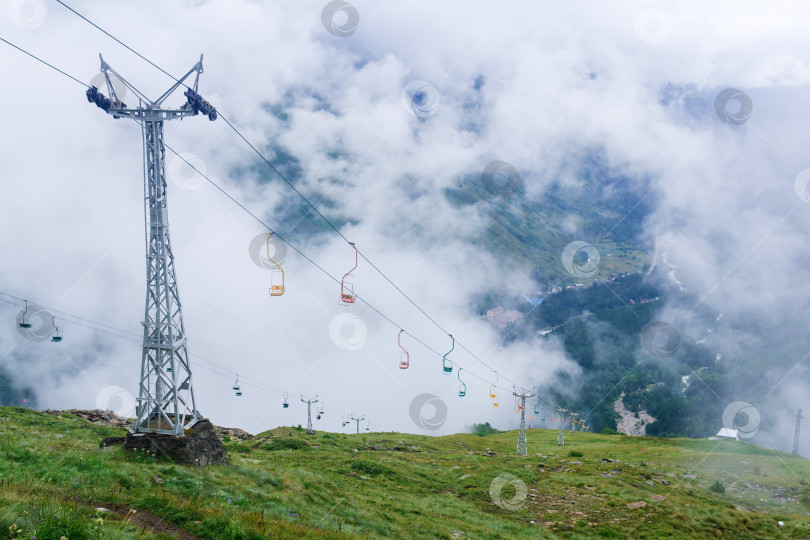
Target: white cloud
x,y
554,81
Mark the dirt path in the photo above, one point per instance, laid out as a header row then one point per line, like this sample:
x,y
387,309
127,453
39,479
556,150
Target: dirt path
x,y
152,523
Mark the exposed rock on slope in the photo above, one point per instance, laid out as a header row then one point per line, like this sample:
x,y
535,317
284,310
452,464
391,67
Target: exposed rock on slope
x,y
629,424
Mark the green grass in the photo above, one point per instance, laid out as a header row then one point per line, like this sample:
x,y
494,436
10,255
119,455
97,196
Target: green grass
x,y
287,484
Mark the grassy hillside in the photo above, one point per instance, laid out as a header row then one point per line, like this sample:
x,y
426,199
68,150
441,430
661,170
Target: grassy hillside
x,y
286,484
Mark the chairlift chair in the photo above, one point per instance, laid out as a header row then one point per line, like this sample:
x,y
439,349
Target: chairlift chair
x,y
462,387
276,275
347,295
236,386
404,356
492,393
286,403
57,336
447,365
24,321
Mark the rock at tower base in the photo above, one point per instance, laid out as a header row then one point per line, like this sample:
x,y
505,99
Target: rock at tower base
x,y
199,447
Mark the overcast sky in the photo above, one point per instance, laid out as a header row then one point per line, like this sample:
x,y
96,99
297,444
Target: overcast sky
x,y
529,84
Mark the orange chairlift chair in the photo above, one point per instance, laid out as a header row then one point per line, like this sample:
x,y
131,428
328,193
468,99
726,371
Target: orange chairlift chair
x,y
347,295
518,405
404,356
277,274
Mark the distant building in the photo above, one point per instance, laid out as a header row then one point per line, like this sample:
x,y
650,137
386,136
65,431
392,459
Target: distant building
x,y
495,312
726,433
503,317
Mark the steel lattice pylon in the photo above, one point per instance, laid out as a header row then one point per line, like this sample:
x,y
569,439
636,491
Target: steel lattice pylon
x,y
166,396
560,436
309,403
522,448
358,420
799,418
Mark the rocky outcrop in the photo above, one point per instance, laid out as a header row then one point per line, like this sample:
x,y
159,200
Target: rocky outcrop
x,y
629,424
200,447
107,418
233,433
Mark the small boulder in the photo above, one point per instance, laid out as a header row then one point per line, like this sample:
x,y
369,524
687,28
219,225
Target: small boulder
x,y
200,447
111,441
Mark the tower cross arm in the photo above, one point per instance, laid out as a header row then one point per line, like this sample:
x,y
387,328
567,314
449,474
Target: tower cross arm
x,y
148,109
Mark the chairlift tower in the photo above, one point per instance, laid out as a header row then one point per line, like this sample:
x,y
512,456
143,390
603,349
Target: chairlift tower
x,y
522,448
166,402
796,435
358,420
309,403
560,438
